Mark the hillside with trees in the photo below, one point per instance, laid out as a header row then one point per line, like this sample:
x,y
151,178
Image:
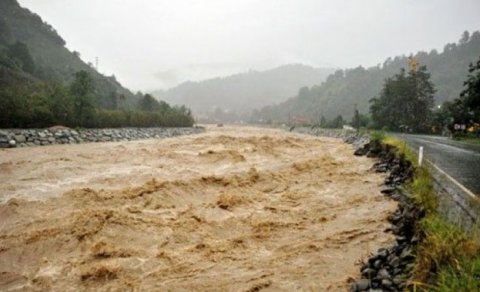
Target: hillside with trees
x,y
229,98
42,83
25,37
346,89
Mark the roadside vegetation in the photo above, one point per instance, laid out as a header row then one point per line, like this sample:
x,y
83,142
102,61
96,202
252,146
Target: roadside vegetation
x,y
472,141
448,258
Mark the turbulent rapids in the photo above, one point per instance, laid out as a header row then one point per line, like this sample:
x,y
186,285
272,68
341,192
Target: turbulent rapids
x,y
235,208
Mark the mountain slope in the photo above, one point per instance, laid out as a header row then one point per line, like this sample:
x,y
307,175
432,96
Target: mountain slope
x,y
51,59
344,89
244,92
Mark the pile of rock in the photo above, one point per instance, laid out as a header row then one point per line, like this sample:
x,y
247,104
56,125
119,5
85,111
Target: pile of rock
x,y
62,135
349,136
391,268
357,140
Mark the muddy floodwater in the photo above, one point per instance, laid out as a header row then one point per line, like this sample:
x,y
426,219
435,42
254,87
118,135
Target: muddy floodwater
x,y
232,209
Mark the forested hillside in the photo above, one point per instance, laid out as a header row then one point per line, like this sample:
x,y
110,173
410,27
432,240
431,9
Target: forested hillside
x,y
344,89
241,93
42,83
26,38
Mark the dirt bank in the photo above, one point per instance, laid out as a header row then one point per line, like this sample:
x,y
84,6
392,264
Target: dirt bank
x,y
237,209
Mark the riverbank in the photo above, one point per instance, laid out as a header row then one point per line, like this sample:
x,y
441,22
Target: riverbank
x,y
11,138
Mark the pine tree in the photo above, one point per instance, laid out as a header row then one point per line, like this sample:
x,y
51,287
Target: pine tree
x,y
471,94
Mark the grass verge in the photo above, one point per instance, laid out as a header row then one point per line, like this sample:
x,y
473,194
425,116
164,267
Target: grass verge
x,y
473,141
448,259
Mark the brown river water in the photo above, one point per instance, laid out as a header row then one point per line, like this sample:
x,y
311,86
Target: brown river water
x,y
233,209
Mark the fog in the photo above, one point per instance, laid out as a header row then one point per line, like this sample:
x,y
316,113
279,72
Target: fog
x,y
150,44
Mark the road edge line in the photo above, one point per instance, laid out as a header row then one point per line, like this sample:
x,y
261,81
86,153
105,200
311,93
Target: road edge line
x,y
471,194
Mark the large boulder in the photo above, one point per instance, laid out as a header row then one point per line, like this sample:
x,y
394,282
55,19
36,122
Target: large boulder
x,y
20,138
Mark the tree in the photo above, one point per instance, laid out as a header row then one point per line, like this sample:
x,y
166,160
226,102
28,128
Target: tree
x,y
163,107
61,103
471,94
323,122
405,100
465,109
38,110
121,101
422,99
360,120
336,123
356,119
13,106
303,92
441,118
110,102
148,104
20,53
82,89
5,33
465,37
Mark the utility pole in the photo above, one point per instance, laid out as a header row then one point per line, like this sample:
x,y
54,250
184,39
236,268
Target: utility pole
x,y
96,63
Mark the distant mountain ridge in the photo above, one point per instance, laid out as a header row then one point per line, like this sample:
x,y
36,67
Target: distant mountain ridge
x,y
241,93
345,89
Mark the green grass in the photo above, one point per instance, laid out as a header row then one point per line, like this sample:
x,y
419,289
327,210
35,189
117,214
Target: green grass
x,y
473,141
464,278
403,149
423,190
468,138
448,259
378,136
452,256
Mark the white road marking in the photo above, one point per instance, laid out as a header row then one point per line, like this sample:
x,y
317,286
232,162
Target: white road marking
x,y
471,152
471,194
462,187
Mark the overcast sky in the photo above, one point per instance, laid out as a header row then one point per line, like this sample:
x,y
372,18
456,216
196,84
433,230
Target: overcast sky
x,y
151,44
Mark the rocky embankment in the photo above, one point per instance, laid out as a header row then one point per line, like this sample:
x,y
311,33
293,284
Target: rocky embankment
x,y
61,135
351,137
391,267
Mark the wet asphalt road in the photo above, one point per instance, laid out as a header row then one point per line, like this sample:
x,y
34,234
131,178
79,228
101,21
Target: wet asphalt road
x,y
461,161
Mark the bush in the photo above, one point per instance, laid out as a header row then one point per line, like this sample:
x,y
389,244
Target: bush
x,y
46,104
378,136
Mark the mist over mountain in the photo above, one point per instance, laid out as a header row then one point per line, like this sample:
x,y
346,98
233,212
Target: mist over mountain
x,y
344,89
241,93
